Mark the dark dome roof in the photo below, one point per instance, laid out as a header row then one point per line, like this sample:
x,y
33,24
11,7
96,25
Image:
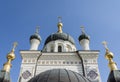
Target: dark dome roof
x,y
83,36
61,36
114,76
4,76
59,75
35,36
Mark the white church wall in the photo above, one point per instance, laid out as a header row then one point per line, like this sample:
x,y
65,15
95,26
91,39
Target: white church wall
x,y
90,63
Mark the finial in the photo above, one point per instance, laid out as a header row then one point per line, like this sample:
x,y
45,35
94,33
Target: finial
x,y
59,19
60,25
105,45
10,57
82,28
14,45
37,29
109,56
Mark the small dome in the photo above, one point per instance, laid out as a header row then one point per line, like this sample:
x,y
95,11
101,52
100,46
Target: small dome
x,y
114,76
35,36
59,36
59,75
83,36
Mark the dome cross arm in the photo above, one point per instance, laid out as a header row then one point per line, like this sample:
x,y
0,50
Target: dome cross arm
x,y
105,45
14,46
37,29
82,29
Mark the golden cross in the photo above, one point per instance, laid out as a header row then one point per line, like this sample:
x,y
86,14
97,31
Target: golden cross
x,y
59,19
82,28
14,45
37,29
105,45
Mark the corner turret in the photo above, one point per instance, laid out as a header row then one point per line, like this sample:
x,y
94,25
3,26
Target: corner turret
x,y
84,40
114,75
35,40
5,72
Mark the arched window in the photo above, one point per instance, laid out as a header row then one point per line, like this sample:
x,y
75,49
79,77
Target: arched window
x,y
59,49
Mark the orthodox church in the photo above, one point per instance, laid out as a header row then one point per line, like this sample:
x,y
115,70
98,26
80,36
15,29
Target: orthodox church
x,y
59,60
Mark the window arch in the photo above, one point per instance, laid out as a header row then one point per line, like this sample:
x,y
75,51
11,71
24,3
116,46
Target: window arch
x,y
59,49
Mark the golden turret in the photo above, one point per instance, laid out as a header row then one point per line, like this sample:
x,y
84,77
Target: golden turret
x,y
60,25
10,57
109,56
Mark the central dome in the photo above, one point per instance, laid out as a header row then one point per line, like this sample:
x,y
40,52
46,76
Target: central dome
x,y
59,36
59,75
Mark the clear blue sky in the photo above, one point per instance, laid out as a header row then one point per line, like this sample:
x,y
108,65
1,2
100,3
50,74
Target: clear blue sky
x,y
19,18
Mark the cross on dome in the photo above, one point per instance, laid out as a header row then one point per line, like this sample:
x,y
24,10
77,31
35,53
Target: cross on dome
x,y
105,45
14,45
82,28
37,29
59,19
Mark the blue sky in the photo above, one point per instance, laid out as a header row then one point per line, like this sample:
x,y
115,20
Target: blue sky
x,y
19,18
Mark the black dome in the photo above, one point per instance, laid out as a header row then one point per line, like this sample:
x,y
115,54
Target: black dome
x,y
61,36
59,75
35,36
83,36
114,76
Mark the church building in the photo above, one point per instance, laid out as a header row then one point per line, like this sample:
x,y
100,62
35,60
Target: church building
x,y
59,60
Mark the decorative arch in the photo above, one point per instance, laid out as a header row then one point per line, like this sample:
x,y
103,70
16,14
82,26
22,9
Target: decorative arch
x,y
59,48
69,48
